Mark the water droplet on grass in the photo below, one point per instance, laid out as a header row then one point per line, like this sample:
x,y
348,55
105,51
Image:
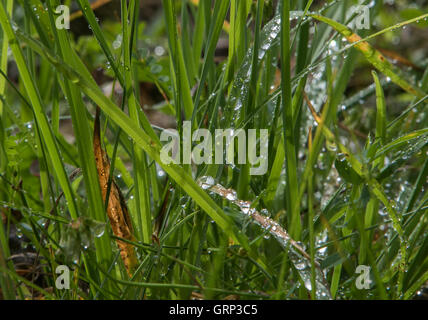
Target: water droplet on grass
x,y
206,182
117,43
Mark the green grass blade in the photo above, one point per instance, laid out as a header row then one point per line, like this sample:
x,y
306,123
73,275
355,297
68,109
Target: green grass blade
x,y
372,55
292,186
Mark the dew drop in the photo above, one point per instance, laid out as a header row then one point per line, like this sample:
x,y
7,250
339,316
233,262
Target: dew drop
x,y
206,182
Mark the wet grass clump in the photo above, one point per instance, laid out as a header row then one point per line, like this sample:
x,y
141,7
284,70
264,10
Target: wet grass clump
x,y
90,209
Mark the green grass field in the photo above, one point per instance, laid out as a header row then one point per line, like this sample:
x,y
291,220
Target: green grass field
x,y
340,213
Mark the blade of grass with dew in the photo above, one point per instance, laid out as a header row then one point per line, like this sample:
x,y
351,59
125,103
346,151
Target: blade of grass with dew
x,y
357,97
238,96
372,55
293,209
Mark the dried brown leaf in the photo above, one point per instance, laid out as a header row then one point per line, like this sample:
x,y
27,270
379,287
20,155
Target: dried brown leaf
x,y
117,210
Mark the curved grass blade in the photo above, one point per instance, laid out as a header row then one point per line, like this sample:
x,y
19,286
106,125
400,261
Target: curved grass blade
x,y
372,55
418,134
